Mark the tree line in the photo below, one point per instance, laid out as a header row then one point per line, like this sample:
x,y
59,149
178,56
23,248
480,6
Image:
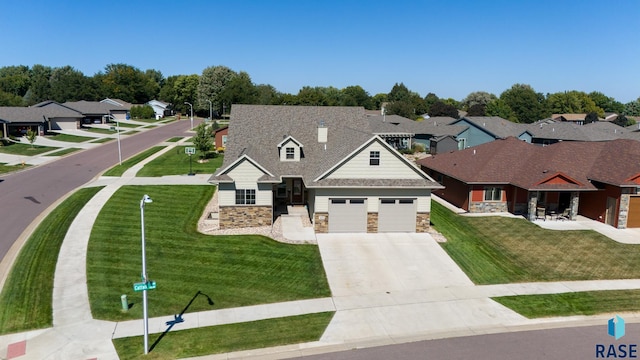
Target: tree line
x,y
219,86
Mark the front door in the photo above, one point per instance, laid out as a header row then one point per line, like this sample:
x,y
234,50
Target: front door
x,y
296,194
611,211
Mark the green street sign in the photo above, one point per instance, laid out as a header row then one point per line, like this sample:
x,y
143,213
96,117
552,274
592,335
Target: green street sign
x,y
141,286
190,150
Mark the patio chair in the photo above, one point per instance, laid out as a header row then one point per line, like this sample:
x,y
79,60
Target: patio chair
x,y
565,215
541,213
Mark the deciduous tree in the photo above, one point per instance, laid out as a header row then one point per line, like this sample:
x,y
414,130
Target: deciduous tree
x,y
527,105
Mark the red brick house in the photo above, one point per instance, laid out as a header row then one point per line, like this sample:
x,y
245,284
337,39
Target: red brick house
x,y
599,180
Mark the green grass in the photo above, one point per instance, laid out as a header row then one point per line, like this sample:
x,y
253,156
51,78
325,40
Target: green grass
x,y
125,125
227,338
578,303
176,162
101,140
64,152
99,130
68,138
10,168
25,301
118,170
233,270
25,149
175,139
494,249
130,132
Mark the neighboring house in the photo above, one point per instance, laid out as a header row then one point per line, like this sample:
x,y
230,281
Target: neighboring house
x,y
16,120
60,117
160,108
95,112
121,111
483,129
326,159
443,144
577,119
548,131
42,117
394,129
221,136
599,180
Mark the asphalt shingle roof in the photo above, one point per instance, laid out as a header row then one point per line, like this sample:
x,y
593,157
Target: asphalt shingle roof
x,y
256,130
512,161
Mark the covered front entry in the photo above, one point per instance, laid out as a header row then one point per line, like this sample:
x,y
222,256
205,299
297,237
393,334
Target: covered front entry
x,y
291,191
397,215
633,219
347,215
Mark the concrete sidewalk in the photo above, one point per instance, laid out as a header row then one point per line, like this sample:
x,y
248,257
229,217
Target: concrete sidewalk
x,y
373,313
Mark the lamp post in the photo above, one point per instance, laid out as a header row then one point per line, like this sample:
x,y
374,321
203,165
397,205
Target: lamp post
x,y
145,200
188,103
210,111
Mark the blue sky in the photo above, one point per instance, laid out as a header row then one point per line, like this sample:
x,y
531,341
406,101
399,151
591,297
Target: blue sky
x,y
450,48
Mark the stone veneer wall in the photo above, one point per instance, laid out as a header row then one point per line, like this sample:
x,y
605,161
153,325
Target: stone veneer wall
x,y
245,216
321,222
488,207
423,222
625,200
372,222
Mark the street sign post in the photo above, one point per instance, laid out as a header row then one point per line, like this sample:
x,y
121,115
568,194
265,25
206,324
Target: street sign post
x,y
190,151
141,286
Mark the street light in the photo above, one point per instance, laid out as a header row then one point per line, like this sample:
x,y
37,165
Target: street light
x,y
188,103
210,111
145,200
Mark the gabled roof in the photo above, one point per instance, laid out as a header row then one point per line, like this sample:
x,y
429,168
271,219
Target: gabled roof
x,y
256,131
53,109
289,138
20,114
117,102
568,131
569,117
512,161
92,107
495,126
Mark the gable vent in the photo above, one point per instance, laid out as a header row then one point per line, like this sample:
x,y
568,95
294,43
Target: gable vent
x,y
322,132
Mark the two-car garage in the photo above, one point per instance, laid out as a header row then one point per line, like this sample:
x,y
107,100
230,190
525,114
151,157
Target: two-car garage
x,y
393,215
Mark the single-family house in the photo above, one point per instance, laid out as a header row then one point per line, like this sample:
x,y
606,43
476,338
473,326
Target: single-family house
x,y
160,108
599,180
483,129
221,136
121,110
549,131
324,159
96,112
42,117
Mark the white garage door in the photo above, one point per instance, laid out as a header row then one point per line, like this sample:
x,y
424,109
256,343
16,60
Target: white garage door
x,y
347,215
397,215
64,124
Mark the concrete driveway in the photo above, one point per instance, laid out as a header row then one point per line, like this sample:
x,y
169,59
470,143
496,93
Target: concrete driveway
x,y
361,264
391,286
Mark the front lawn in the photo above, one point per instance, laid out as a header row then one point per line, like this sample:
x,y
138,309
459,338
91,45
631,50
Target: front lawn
x,y
176,162
25,149
4,168
68,138
568,304
233,270
494,250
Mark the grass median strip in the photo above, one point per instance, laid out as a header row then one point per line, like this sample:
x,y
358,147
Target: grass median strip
x,y
494,249
25,301
233,271
227,338
64,152
577,303
118,170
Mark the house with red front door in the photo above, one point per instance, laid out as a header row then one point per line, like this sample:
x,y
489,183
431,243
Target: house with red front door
x,y
599,180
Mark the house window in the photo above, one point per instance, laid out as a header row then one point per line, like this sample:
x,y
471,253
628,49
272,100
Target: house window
x,y
290,153
224,140
282,190
374,158
492,194
462,144
245,197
